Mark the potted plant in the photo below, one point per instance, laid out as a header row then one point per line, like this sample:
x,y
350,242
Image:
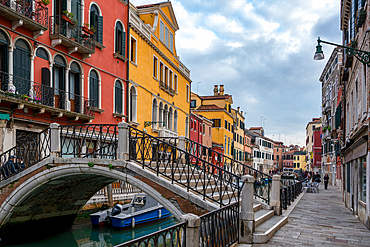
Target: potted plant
x,y
69,17
25,97
44,3
88,29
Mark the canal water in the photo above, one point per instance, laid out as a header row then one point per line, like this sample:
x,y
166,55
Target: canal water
x,y
86,236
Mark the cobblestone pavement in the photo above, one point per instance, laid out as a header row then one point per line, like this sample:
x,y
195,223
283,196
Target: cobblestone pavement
x,y
321,219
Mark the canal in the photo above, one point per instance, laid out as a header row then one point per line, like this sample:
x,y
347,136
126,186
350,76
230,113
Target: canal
x,y
85,236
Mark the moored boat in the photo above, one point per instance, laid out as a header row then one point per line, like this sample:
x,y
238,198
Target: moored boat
x,y
142,209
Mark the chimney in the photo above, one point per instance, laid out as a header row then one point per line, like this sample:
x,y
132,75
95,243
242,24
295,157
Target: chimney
x,y
222,90
242,113
238,108
215,90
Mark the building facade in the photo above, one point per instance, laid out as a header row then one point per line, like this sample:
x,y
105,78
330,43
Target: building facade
x,y
263,150
279,149
238,133
310,142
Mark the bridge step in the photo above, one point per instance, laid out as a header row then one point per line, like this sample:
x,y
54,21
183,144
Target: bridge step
x,y
262,215
267,229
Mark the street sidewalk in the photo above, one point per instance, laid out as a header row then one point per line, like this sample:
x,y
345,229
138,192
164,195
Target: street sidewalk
x,y
320,219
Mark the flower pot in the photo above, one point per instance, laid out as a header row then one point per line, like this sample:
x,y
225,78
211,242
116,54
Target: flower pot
x,y
42,5
65,18
87,30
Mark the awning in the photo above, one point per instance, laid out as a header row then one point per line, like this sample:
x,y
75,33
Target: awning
x,y
4,116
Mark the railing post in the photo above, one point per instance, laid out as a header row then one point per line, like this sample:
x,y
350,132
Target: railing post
x,y
55,146
246,220
192,229
123,141
275,194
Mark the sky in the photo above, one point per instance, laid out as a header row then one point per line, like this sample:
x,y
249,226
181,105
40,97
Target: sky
x,y
262,52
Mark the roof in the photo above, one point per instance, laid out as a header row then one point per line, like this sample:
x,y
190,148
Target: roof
x,y
255,128
225,96
210,107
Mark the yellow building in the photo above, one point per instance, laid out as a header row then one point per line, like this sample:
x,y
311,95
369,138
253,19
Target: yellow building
x,y
218,109
159,95
299,160
238,144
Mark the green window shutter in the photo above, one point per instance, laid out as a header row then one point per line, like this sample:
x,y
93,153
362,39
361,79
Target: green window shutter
x,y
100,29
92,18
123,44
64,5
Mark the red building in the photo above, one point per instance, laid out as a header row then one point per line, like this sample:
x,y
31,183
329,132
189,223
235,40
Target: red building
x,y
196,128
317,150
64,62
288,159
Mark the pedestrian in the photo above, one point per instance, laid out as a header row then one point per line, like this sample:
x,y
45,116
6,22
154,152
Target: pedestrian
x,y
326,181
317,177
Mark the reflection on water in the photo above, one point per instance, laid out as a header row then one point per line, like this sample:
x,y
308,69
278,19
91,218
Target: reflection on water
x,y
86,236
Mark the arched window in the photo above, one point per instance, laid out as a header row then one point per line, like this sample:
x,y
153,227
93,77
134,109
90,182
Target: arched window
x,y
161,114
170,117
94,88
165,117
154,113
3,57
75,88
59,82
118,96
41,53
175,122
96,20
22,67
120,39
133,102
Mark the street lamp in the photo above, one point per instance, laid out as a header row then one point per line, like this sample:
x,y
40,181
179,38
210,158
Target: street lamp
x,y
363,56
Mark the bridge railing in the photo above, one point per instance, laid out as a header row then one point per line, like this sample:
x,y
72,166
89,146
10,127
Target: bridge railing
x,y
88,141
289,193
220,227
211,181
262,184
174,236
25,155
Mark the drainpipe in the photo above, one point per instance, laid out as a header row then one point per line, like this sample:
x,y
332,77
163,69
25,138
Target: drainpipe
x,y
128,62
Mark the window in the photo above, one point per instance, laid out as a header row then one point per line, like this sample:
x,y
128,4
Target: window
x,y
171,42
210,132
362,179
60,82
204,129
94,88
41,53
133,106
175,121
120,39
154,113
216,122
170,79
167,37
155,67
166,76
187,93
175,82
193,103
118,97
187,127
161,30
161,71
96,21
225,124
74,88
133,50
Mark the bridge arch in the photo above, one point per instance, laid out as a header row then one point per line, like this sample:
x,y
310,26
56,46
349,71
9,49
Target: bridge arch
x,y
72,185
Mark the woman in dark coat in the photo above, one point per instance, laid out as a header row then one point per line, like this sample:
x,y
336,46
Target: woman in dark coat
x,y
326,181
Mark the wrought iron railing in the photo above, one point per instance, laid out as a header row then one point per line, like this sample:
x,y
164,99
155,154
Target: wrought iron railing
x,y
89,141
61,26
220,227
212,182
21,88
120,187
262,184
289,193
32,9
174,236
25,155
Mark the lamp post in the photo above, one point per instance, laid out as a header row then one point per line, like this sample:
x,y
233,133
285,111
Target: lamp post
x,y
363,56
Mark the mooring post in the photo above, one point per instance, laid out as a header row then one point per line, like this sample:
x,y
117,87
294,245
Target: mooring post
x,y
246,221
275,194
192,229
123,141
54,140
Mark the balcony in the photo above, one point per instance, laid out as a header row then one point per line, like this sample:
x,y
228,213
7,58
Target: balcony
x,y
65,32
326,108
163,132
29,13
21,93
326,134
166,88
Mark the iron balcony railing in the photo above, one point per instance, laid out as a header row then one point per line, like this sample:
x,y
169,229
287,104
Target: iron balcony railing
x,y
24,89
25,155
166,88
210,181
88,141
174,236
220,227
34,10
262,183
59,25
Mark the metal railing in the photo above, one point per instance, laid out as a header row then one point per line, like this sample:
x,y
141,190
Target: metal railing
x,y
262,184
289,193
25,155
88,141
220,227
21,88
32,9
70,30
120,187
211,181
174,236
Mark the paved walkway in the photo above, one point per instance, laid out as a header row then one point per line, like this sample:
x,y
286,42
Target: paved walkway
x,y
321,219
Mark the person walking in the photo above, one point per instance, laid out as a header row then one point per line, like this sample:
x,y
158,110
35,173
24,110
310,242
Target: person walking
x,y
326,181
